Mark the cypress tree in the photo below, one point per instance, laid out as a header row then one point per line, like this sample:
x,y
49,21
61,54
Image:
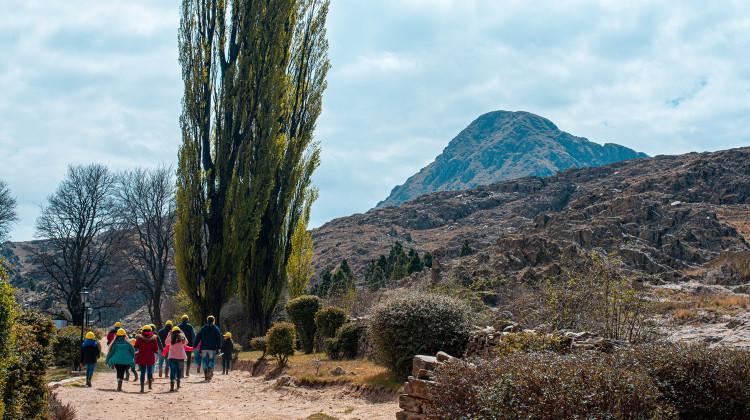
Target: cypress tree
x,y
254,75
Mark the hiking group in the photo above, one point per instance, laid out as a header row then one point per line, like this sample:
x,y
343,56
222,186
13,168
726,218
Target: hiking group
x,y
174,345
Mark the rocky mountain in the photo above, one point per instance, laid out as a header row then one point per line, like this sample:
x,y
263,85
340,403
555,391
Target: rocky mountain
x,y
505,145
662,216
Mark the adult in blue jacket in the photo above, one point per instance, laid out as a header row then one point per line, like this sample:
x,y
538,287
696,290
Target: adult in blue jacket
x,y
187,329
210,338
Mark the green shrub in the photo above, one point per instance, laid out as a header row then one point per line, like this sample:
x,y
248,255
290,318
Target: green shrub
x,y
418,324
66,346
531,342
280,342
301,312
8,310
259,344
328,320
26,394
344,343
545,386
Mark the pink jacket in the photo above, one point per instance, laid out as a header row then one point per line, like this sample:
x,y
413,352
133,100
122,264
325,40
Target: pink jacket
x,y
177,350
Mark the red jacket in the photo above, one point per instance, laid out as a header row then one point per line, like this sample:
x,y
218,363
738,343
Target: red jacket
x,y
147,347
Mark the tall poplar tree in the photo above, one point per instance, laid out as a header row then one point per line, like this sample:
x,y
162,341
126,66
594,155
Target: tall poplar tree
x,y
254,75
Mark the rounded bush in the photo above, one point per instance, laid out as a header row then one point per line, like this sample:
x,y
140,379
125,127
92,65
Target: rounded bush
x,y
418,324
344,343
66,346
301,312
280,342
329,319
259,344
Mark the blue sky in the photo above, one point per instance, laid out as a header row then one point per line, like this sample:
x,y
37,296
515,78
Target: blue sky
x,y
98,81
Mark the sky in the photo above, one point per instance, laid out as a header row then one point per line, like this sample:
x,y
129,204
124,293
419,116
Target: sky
x,y
98,81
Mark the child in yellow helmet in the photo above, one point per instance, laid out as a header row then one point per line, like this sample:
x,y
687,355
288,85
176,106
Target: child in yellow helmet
x,y
90,352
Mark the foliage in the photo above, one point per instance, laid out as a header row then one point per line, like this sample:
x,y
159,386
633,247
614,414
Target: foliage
x,y
666,380
465,249
302,313
592,296
395,266
545,386
280,342
343,280
26,394
260,344
66,346
418,324
344,343
8,310
254,75
59,410
299,267
531,342
699,382
329,319
321,288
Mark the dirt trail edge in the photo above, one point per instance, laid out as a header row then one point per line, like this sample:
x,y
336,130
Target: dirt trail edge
x,y
234,396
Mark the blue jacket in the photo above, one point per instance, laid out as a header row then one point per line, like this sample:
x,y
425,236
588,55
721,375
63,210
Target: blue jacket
x,y
189,332
209,336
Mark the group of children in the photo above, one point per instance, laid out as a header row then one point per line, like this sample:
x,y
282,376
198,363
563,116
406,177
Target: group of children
x,y
172,344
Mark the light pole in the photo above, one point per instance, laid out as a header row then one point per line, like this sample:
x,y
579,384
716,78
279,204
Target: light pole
x,y
84,309
89,311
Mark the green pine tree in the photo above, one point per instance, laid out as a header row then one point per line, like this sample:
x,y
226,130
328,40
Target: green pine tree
x,y
466,249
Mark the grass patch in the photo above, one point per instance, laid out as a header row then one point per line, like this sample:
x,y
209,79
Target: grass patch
x,y
55,373
316,368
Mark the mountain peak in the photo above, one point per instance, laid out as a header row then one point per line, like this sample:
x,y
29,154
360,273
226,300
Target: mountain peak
x,y
503,145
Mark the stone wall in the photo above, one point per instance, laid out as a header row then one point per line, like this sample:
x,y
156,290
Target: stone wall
x,y
415,401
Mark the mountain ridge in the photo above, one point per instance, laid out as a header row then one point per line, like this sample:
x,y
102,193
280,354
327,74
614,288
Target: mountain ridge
x,y
503,145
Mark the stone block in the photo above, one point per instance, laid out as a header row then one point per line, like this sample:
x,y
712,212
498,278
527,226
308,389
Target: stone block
x,y
423,362
407,415
420,388
413,404
424,374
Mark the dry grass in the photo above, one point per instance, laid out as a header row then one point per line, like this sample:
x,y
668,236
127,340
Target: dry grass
x,y
684,315
315,369
684,307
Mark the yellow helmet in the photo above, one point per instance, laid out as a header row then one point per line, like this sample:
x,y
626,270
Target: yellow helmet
x,y
211,319
90,336
169,323
132,341
228,335
146,328
121,332
153,327
176,329
117,324
185,318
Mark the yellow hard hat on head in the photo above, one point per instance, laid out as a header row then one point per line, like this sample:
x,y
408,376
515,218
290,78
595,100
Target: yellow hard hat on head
x,y
153,327
90,336
175,329
117,324
211,319
228,335
121,332
185,318
168,323
146,328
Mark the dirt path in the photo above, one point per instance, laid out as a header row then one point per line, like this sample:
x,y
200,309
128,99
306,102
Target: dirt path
x,y
235,396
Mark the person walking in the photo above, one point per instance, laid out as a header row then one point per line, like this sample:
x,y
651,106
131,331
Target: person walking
x,y
147,347
121,355
162,336
132,368
227,349
189,332
210,338
90,352
112,334
177,353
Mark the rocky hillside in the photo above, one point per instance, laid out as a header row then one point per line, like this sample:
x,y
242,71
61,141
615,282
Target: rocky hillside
x,y
505,145
662,216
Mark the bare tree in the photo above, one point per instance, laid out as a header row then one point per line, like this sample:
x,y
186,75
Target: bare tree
x,y
148,211
83,239
7,210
